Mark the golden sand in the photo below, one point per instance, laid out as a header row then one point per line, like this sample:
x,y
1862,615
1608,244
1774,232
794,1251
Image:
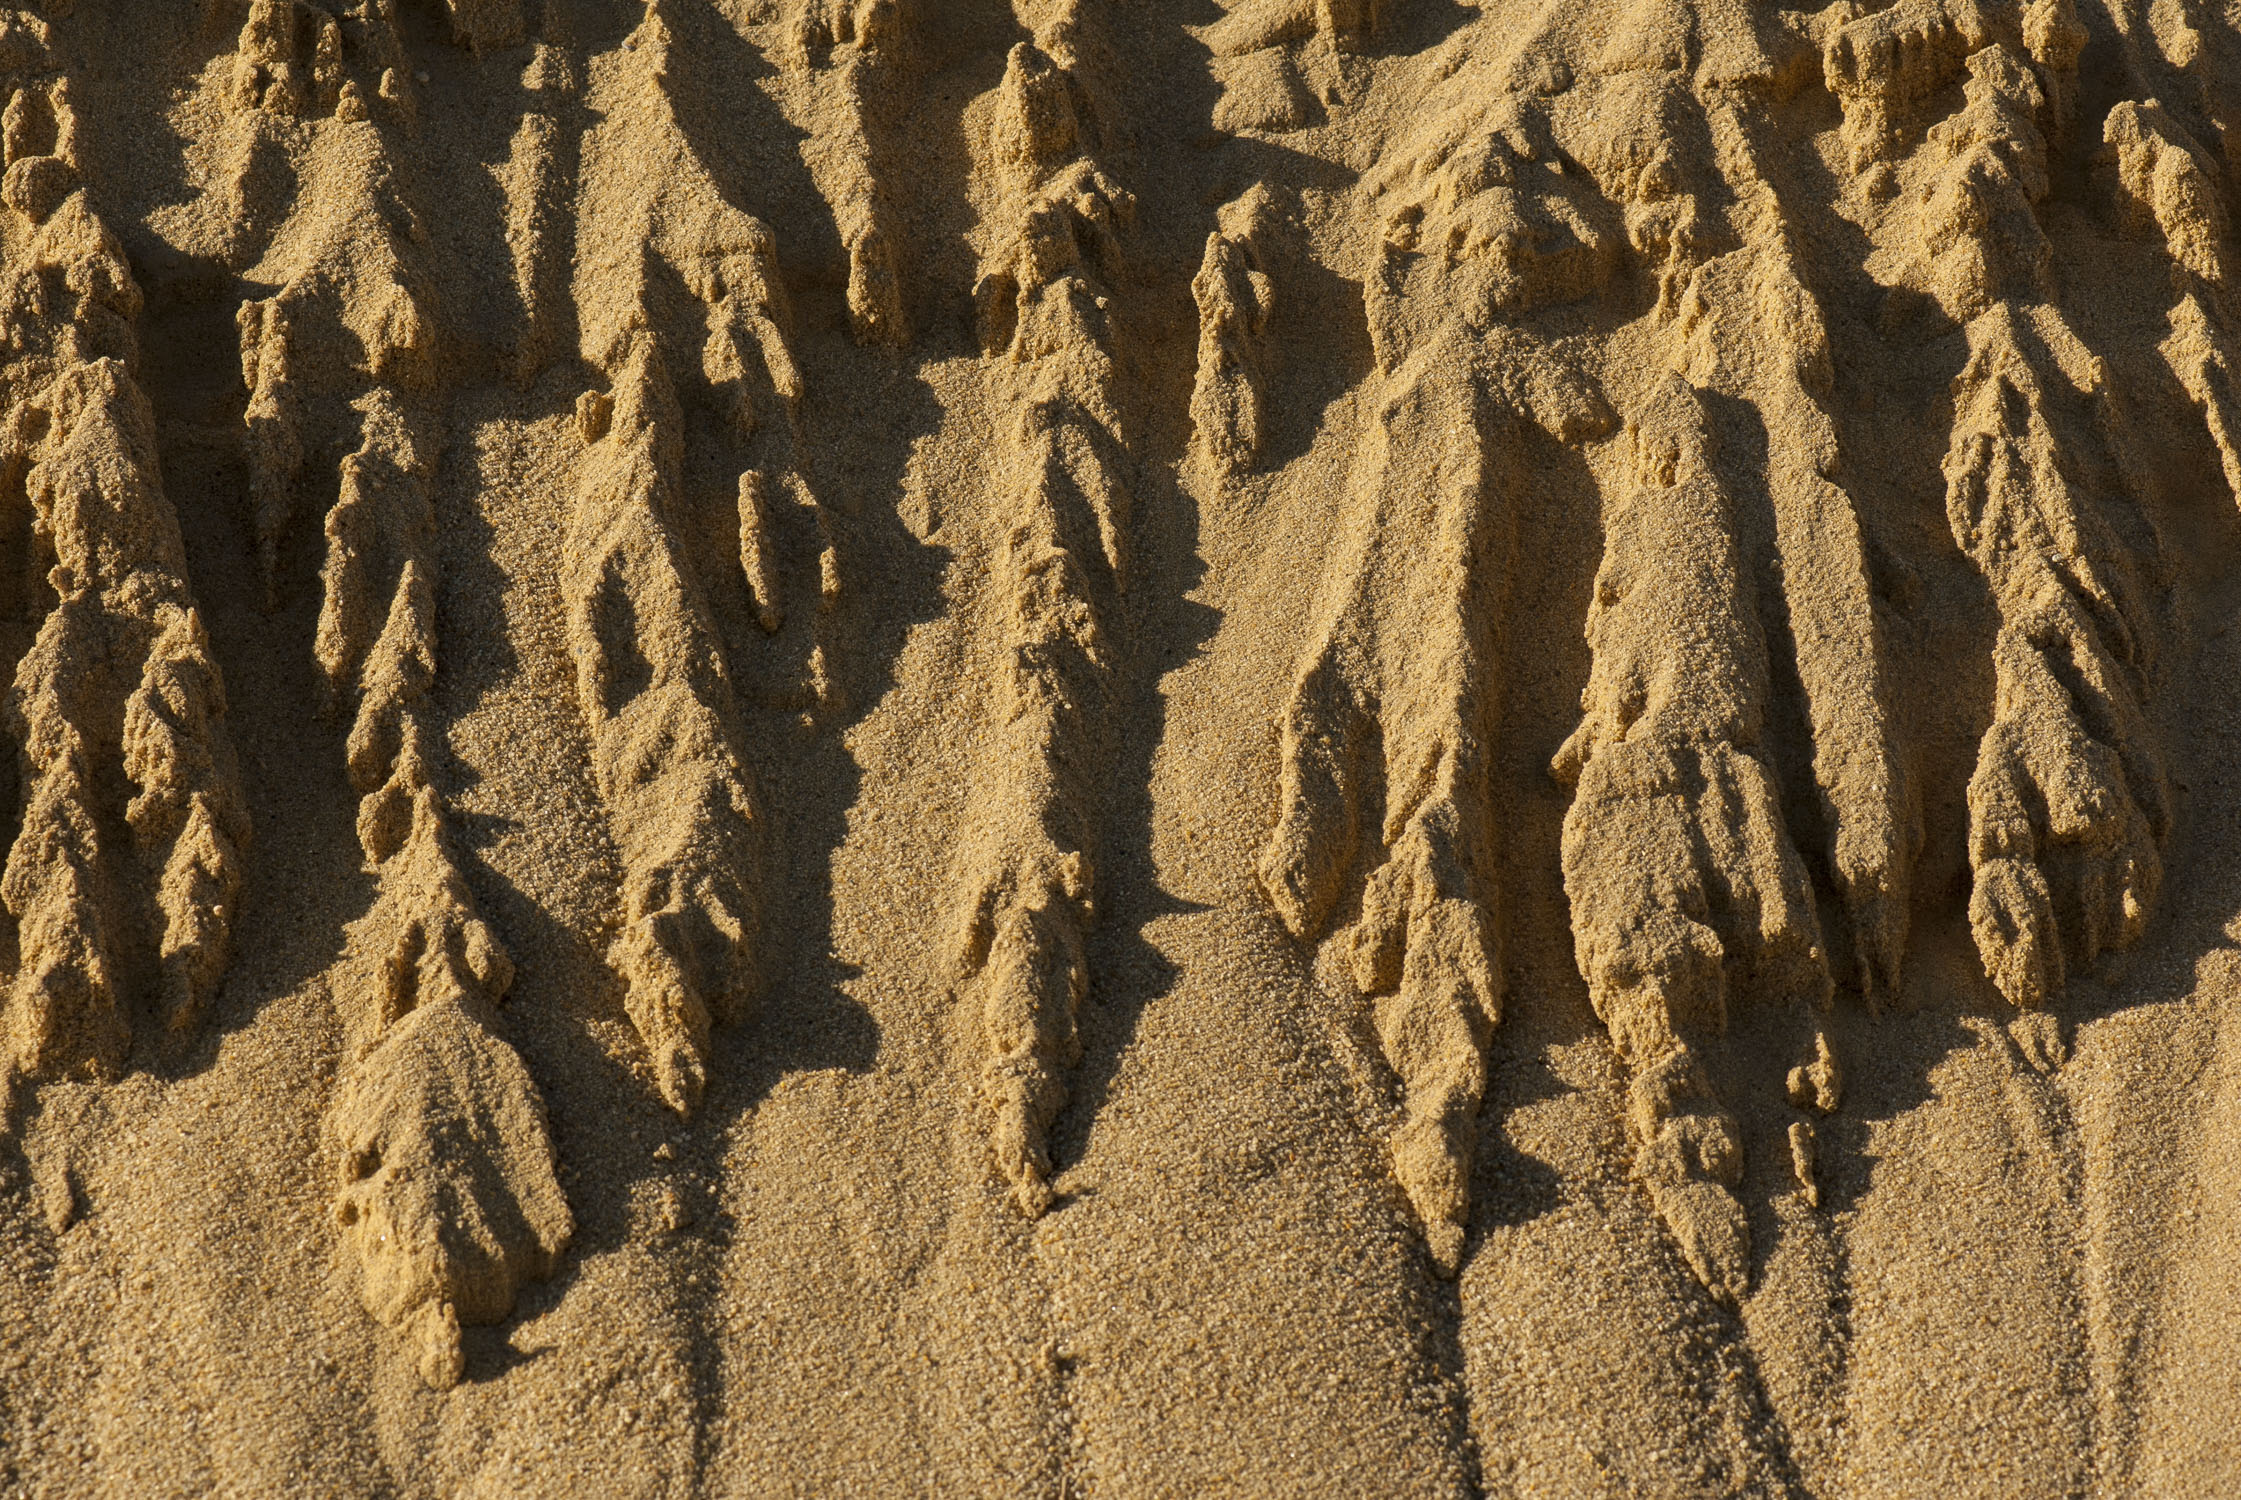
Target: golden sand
x,y
1120,747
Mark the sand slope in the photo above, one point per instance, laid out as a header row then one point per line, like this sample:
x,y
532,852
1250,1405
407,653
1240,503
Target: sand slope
x,y
1062,747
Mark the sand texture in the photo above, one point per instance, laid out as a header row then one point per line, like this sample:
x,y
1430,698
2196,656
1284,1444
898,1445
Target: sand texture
x,y
1068,748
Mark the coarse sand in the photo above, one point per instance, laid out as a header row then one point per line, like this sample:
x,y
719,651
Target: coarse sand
x,y
1120,747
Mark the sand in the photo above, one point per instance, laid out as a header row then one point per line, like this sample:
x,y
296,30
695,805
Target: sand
x,y
1120,747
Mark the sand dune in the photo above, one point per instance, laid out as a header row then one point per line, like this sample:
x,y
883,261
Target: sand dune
x,y
1137,747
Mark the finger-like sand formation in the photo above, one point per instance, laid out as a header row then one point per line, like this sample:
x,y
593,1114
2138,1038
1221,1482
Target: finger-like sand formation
x,y
1062,747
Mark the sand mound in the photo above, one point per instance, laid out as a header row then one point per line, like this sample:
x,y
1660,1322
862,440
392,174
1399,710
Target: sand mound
x,y
1065,747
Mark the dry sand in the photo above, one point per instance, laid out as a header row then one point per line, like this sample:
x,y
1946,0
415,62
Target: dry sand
x,y
1120,747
